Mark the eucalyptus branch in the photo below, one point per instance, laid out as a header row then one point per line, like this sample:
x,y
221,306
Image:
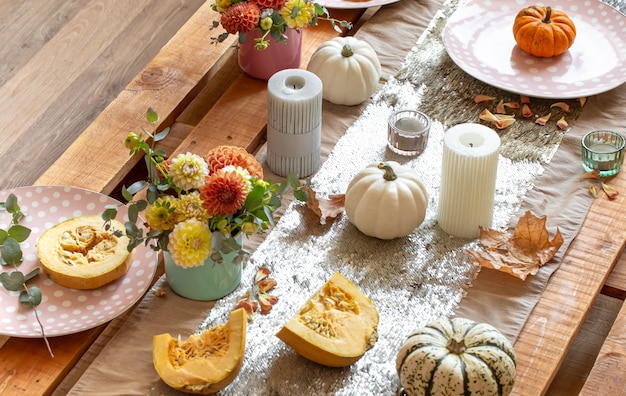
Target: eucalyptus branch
x,y
11,255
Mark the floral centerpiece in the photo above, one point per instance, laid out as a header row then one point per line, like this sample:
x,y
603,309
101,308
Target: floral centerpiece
x,y
197,208
271,17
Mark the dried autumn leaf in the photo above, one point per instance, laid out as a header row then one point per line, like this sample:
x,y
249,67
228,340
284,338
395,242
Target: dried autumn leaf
x,y
524,99
248,305
610,191
482,98
561,105
486,115
266,285
500,107
526,111
593,190
582,101
326,207
261,273
543,120
520,254
266,301
594,174
512,105
562,124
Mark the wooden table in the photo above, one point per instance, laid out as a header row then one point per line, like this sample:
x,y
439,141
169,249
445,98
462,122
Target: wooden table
x,y
206,99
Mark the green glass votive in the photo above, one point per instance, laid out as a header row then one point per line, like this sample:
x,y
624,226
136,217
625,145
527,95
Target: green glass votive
x,y
604,151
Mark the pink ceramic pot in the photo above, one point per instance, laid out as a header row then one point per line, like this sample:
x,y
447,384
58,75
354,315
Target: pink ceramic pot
x,y
278,56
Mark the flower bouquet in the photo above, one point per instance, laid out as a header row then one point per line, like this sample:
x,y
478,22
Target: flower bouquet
x,y
197,208
271,17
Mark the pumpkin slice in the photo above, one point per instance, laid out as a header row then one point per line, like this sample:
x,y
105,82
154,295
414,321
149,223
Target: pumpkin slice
x,y
206,362
335,327
79,253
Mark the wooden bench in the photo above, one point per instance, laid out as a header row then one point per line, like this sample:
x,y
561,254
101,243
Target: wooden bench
x,y
607,377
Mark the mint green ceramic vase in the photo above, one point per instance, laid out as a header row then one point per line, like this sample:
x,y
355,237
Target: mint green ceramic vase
x,y
210,281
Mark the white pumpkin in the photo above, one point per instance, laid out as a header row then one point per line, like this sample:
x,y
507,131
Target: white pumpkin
x,y
349,69
386,200
457,357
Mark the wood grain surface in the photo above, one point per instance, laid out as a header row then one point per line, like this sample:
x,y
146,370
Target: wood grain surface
x,y
73,59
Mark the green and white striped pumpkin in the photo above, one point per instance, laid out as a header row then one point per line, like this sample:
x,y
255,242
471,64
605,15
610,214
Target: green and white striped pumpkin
x,y
456,357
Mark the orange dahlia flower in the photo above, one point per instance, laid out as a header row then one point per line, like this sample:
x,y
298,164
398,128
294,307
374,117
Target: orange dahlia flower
x,y
224,193
222,156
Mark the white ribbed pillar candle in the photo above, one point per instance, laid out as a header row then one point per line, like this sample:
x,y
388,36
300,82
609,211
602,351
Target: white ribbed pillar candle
x,y
294,122
468,179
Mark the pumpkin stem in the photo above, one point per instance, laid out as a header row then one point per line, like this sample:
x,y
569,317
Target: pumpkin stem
x,y
346,51
548,15
456,346
389,174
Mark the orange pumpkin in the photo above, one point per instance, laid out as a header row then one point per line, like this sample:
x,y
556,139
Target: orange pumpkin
x,y
543,31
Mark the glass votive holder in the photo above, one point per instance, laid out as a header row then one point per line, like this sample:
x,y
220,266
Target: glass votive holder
x,y
408,132
604,151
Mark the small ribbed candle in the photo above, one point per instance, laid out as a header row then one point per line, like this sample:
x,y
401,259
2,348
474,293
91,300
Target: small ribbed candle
x,y
294,122
468,179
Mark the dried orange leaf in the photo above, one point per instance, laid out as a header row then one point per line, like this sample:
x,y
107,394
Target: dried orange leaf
x,y
500,107
261,273
504,123
524,99
248,305
543,120
486,115
158,292
482,98
561,105
582,101
512,105
325,208
520,254
266,301
610,191
593,190
594,174
561,123
266,285
526,111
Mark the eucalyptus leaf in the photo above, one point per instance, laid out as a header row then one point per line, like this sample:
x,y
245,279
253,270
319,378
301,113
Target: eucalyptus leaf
x,y
19,232
136,187
162,135
3,236
32,297
11,204
32,274
12,281
11,252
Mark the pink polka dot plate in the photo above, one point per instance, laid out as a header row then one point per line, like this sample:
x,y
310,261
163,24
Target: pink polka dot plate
x,y
62,310
479,39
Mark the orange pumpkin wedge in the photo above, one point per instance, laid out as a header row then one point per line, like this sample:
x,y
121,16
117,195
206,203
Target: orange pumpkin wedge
x,y
335,327
205,363
79,253
543,31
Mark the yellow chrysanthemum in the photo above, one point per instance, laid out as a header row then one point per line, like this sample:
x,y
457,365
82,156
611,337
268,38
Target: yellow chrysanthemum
x,y
304,16
161,215
189,206
188,171
190,243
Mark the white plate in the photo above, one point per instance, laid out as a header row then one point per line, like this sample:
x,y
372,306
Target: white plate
x,y
62,310
349,4
479,39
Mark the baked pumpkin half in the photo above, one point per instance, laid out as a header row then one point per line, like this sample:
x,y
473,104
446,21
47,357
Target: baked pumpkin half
x,y
335,327
79,253
205,363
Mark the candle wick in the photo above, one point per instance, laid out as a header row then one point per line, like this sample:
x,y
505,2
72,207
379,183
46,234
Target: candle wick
x,y
294,86
471,144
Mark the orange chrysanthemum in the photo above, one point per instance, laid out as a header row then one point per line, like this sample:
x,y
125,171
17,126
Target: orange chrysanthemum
x,y
224,193
222,156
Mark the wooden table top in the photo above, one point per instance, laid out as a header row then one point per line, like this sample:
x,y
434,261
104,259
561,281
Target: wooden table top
x,y
203,99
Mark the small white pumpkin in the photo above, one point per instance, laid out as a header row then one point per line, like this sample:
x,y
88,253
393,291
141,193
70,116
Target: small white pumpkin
x,y
386,200
457,357
349,69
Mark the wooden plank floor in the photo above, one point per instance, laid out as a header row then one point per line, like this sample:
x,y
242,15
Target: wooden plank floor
x,y
62,62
